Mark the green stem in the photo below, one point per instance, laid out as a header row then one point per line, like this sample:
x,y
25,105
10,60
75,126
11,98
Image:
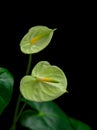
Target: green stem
x,y
20,112
29,64
15,114
16,117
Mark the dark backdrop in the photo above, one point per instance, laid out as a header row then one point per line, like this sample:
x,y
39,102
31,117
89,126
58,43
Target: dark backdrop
x,y
71,49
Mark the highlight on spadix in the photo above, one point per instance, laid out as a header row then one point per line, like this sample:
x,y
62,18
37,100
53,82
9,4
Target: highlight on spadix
x,y
36,39
46,82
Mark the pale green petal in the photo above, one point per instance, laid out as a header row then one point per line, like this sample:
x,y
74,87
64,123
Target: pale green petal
x,y
37,38
46,83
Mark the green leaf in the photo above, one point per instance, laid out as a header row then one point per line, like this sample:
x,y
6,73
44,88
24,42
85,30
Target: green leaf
x,y
37,38
78,125
6,88
46,82
48,116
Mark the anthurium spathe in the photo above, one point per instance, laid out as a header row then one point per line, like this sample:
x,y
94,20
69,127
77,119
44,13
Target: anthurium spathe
x,y
46,82
37,38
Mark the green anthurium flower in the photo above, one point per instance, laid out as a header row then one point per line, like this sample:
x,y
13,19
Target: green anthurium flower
x,y
46,82
37,38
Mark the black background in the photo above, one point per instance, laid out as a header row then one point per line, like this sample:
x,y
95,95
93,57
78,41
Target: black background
x,y
71,48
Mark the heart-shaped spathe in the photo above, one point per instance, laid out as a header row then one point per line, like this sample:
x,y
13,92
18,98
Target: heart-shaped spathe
x,y
37,38
46,82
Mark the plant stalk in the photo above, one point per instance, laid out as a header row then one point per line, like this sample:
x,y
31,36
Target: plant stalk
x,y
16,115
